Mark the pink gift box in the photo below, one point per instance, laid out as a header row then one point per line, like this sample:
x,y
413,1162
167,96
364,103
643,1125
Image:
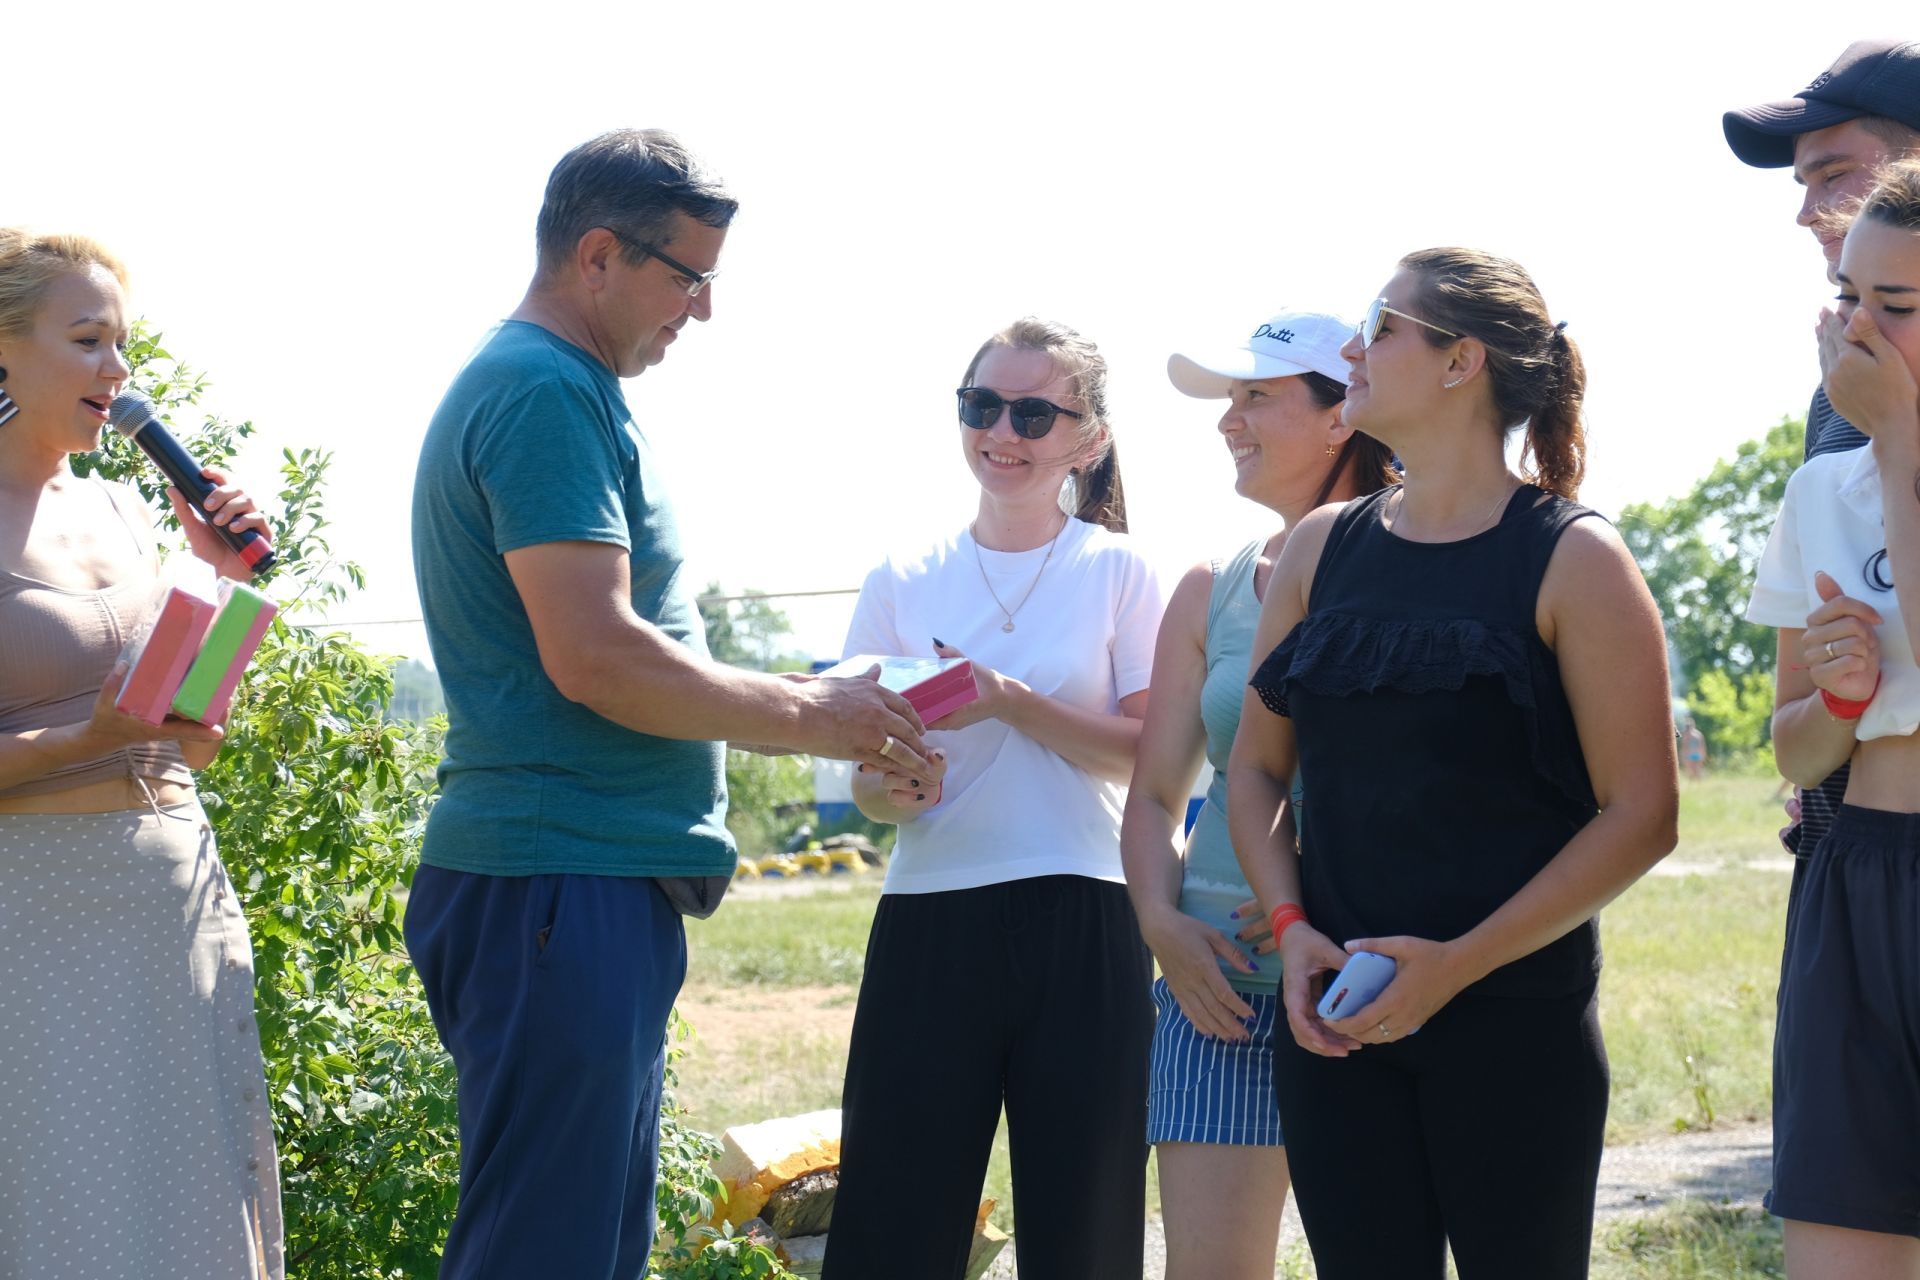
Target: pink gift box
x,y
935,686
158,659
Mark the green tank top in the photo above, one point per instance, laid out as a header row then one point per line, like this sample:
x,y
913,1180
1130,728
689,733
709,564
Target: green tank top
x,y
1212,885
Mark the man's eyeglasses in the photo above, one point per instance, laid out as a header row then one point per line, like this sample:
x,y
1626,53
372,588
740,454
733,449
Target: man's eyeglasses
x,y
1377,313
1032,417
696,280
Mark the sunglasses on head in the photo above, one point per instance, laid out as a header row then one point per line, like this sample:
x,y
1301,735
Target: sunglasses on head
x,y
1377,313
1032,417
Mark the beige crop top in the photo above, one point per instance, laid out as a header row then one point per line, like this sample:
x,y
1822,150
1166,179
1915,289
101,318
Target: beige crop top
x,y
56,647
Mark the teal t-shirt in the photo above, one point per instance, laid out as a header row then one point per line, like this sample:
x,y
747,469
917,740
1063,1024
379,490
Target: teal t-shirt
x,y
533,443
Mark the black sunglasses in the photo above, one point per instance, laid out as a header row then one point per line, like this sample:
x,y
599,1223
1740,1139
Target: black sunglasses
x,y
1032,417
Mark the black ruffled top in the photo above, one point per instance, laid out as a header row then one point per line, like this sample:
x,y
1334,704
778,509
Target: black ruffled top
x,y
1434,734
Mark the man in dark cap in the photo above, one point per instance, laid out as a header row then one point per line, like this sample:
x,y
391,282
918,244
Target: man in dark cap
x,y
1859,113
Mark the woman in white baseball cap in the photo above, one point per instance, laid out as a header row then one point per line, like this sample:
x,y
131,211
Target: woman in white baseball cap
x,y
1211,1112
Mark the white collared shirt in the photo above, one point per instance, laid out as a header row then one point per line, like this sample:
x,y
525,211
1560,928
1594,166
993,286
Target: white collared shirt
x,y
1831,521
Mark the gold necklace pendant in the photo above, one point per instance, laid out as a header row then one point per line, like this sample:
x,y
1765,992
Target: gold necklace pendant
x,y
1007,626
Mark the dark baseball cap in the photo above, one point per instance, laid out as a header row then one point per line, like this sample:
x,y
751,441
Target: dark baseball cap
x,y
1872,78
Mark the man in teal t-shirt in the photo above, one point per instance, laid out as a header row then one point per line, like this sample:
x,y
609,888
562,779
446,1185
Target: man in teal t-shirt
x,y
582,797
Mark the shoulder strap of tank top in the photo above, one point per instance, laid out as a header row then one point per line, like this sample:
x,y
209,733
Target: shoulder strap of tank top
x,y
1547,516
1227,578
139,528
1357,512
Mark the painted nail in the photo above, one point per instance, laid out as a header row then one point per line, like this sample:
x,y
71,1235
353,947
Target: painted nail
x,y
1234,915
938,643
921,796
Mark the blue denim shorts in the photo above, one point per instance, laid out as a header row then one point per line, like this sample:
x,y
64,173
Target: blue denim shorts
x,y
1210,1090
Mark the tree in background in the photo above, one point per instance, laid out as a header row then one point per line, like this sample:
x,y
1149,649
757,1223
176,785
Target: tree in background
x,y
768,797
416,692
1699,552
745,630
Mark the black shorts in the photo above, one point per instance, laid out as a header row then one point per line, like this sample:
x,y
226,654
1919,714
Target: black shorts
x,y
1846,1051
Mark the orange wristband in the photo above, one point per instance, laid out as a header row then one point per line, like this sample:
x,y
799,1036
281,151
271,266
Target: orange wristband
x,y
1283,917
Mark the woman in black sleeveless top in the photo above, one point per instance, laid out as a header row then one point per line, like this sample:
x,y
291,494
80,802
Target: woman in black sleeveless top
x,y
1471,677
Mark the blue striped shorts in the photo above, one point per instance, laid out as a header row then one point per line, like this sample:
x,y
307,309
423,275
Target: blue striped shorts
x,y
1209,1090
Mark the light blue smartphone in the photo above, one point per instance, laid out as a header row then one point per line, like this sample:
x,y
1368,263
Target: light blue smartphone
x,y
1364,976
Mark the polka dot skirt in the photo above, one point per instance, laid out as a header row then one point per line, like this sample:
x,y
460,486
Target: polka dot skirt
x,y
135,1139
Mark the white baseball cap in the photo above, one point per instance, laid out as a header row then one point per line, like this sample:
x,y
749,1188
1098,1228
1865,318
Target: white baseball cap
x,y
1290,343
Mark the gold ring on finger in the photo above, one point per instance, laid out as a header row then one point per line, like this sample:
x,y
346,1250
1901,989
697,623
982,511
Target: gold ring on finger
x,y
886,748
1830,653
1386,1031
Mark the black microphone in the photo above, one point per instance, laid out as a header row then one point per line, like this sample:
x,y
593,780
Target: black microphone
x,y
132,415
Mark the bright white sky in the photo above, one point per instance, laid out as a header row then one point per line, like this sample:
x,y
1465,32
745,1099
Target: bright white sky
x,y
325,208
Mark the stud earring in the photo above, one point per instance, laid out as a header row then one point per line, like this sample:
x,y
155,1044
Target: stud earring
x,y
1451,385
7,406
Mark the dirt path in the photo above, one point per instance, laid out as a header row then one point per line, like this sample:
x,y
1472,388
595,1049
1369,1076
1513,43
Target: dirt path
x,y
1726,1164
736,1026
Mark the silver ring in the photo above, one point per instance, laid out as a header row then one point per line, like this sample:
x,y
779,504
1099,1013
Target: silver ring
x,y
1830,653
1385,1031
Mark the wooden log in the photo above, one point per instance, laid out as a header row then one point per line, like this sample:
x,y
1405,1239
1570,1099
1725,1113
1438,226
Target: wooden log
x,y
804,1207
987,1244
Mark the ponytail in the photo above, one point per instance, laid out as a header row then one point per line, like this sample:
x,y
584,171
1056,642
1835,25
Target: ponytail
x,y
1555,457
1535,371
1098,496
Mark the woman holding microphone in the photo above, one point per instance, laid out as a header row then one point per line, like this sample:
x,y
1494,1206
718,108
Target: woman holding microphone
x,y
137,1139
1005,966
1211,1114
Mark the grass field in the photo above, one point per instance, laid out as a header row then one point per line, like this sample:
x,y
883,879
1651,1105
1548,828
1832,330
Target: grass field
x,y
1686,1003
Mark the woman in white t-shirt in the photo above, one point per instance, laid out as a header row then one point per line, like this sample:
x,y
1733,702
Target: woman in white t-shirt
x,y
1841,579
1005,966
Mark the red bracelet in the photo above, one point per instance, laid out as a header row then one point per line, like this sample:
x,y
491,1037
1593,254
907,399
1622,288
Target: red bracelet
x,y
1847,708
1284,917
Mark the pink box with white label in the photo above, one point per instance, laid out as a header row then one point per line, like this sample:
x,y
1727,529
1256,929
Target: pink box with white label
x,y
935,686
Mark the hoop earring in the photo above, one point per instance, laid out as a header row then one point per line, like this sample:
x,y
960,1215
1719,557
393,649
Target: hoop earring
x,y
7,406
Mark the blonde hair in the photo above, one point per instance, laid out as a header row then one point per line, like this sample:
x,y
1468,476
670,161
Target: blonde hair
x,y
1895,198
1099,499
30,264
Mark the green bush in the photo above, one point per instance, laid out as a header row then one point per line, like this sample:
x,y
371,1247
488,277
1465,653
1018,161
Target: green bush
x,y
1736,716
318,800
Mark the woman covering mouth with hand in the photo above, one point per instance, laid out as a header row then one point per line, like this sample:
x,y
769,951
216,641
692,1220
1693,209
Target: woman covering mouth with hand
x,y
1211,1114
1005,966
1840,578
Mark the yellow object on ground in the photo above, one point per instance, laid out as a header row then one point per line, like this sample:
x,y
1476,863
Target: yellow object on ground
x,y
757,1160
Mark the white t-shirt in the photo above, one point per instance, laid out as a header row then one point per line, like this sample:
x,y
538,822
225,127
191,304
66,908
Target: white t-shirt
x,y
1011,808
1830,521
